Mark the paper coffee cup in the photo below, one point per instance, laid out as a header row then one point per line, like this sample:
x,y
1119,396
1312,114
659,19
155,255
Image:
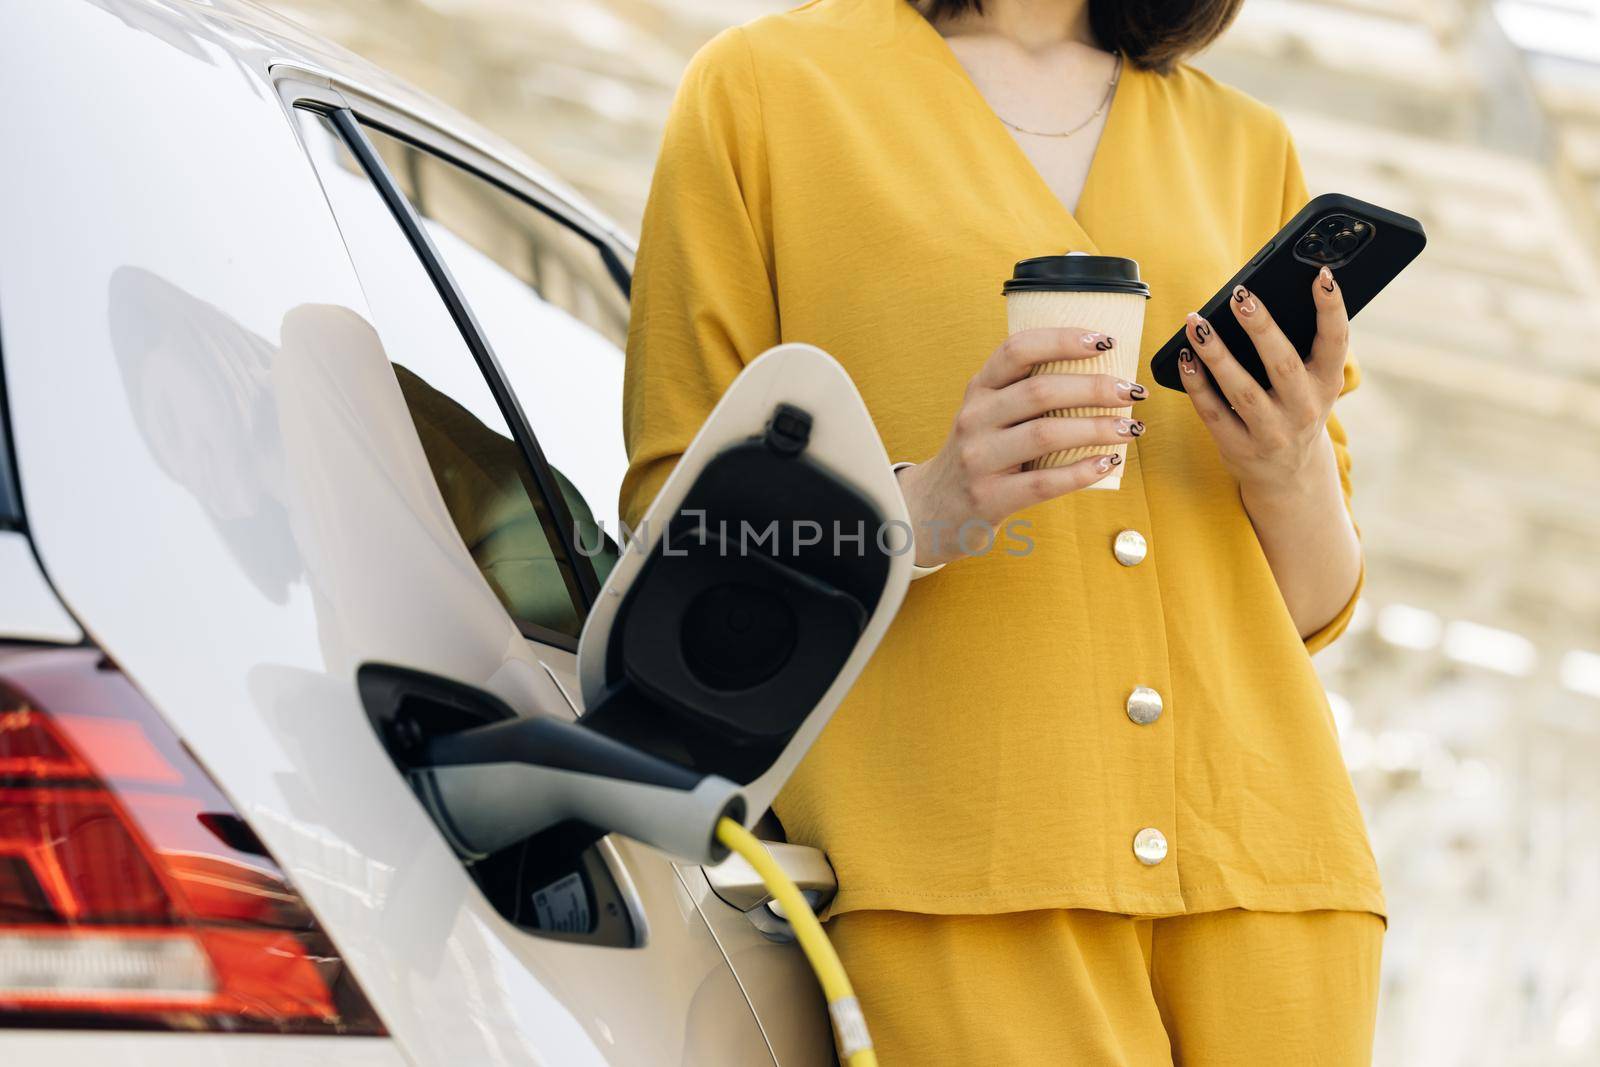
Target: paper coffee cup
x,y
1099,293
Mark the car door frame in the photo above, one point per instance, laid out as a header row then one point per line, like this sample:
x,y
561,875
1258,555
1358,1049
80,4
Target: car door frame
x,y
771,970
350,107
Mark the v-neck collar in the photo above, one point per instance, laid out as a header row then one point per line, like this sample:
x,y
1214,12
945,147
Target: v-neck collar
x,y
934,46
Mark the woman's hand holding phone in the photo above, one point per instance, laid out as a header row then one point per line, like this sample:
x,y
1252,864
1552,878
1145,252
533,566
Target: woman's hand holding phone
x,y
976,480
1268,438
1275,444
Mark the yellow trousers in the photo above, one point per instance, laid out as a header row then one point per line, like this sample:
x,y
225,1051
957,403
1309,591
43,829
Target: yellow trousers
x,y
1229,988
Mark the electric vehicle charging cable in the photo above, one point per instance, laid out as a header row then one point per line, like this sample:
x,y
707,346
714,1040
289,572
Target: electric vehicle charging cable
x,y
492,786
855,1044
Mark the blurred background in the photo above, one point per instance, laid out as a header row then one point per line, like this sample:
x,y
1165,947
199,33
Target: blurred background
x,y
1468,691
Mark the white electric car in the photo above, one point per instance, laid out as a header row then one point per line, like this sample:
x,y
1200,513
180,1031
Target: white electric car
x,y
306,376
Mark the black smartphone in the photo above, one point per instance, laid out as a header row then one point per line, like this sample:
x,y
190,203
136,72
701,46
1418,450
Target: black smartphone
x,y
1363,244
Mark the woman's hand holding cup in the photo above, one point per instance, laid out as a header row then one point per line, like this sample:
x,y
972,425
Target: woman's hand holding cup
x,y
959,498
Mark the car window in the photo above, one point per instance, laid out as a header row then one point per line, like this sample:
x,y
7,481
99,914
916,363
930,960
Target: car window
x,y
552,309
487,484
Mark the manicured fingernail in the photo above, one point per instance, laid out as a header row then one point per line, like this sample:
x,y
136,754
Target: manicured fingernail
x,y
1325,279
1242,297
1133,389
1130,427
1202,328
1099,342
1186,361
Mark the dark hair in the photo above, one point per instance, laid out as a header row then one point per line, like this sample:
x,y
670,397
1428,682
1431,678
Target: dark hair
x,y
1152,34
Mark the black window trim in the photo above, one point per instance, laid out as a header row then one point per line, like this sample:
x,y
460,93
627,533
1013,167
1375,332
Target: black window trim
x,y
10,496
420,126
348,125
613,263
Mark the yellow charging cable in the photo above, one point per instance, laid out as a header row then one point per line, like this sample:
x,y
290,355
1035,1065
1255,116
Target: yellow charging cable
x,y
855,1044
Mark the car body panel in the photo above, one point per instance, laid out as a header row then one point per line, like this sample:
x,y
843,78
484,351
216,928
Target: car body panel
x,y
284,530
69,1047
774,975
29,609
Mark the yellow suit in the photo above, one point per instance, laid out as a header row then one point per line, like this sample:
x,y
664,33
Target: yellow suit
x,y
832,175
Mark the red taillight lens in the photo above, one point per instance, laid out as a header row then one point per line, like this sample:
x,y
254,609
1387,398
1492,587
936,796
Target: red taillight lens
x,y
131,893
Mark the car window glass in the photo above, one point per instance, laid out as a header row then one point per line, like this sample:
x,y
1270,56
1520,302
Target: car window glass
x,y
553,312
487,485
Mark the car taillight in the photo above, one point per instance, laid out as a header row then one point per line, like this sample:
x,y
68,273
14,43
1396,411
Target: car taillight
x,y
131,892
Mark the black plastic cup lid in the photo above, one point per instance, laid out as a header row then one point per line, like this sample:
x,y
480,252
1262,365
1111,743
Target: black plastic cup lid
x,y
1076,273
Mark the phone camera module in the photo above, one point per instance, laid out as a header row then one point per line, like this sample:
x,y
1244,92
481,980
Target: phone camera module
x,y
1333,240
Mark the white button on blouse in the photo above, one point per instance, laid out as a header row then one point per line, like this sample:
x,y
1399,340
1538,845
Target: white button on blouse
x,y
1150,845
1130,548
1144,705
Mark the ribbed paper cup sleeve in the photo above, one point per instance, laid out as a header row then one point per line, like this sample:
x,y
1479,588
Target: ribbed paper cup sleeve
x,y
1118,315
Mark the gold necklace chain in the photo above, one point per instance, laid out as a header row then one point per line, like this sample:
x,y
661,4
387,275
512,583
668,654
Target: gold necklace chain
x,y
1111,91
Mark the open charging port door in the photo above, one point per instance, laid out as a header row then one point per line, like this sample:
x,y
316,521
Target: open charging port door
x,y
740,612
754,590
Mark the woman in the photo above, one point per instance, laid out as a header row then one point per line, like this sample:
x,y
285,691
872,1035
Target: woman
x,y
1087,804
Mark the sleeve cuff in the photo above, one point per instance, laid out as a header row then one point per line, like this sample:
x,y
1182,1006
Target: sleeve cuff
x,y
917,570
1330,632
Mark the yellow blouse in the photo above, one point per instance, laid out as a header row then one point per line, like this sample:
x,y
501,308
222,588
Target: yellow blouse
x,y
832,175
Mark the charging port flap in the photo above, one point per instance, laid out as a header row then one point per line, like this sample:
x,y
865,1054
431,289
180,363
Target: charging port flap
x,y
758,583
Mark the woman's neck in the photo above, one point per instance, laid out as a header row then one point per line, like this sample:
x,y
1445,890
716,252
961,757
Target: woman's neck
x,y
1033,24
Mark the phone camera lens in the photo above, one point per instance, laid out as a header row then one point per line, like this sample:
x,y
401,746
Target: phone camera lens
x,y
1344,241
1331,226
1311,246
